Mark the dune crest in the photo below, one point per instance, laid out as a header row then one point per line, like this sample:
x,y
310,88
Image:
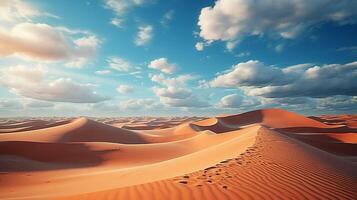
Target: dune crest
x,y
262,154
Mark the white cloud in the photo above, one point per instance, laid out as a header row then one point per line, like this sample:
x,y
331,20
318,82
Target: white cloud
x,y
17,10
232,20
191,101
199,46
16,76
117,22
57,44
144,35
304,80
237,101
230,45
118,64
120,7
163,65
231,101
103,72
31,83
125,89
62,90
180,80
138,104
175,93
104,107
248,73
172,92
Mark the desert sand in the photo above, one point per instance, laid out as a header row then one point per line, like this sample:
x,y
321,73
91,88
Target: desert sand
x,y
262,154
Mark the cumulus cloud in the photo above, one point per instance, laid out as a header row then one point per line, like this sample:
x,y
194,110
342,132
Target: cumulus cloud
x,y
172,92
62,90
249,73
118,64
138,104
180,80
304,80
31,83
125,89
191,101
175,93
57,43
144,35
237,101
163,65
232,20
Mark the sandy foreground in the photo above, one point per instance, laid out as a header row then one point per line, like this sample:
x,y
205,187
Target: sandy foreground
x,y
263,154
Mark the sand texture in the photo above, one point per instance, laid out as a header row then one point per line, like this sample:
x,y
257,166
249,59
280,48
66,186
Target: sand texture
x,y
263,154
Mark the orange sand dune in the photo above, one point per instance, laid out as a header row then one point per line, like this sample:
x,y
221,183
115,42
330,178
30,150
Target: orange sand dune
x,y
263,154
263,171
15,126
348,120
149,123
85,130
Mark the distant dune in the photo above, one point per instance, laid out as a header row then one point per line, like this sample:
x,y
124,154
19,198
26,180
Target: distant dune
x,y
262,154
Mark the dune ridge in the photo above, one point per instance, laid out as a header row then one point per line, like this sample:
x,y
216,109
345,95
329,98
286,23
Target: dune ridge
x,y
263,154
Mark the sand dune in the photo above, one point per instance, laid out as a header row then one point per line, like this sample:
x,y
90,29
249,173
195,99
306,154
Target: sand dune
x,y
85,130
263,154
15,126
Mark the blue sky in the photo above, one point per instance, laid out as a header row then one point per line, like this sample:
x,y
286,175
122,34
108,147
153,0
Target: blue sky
x,y
154,57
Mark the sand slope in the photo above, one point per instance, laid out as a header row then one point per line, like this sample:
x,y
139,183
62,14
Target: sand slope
x,y
263,154
262,172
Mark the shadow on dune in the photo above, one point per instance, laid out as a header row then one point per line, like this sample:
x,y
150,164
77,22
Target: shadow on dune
x,y
35,156
92,131
327,120
248,118
321,138
217,127
228,123
301,129
147,127
328,144
27,153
